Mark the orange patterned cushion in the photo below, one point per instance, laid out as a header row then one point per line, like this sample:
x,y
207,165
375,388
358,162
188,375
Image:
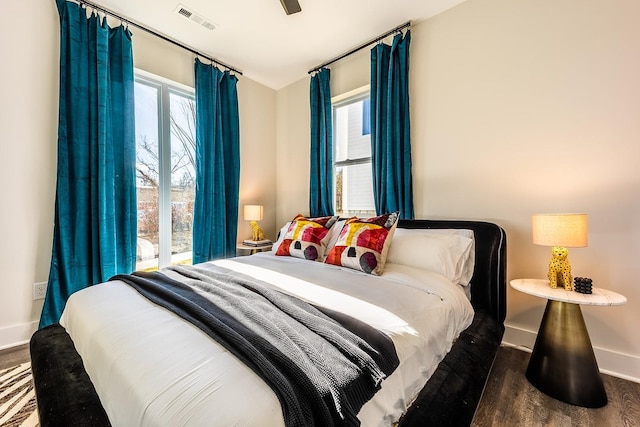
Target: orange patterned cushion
x,y
307,237
363,243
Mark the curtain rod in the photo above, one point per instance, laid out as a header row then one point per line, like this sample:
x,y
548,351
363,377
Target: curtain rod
x,y
362,46
163,37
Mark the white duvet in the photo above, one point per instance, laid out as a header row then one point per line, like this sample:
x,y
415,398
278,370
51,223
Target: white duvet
x,y
151,368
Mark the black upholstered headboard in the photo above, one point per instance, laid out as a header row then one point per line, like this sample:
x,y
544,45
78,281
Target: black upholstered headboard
x,y
489,283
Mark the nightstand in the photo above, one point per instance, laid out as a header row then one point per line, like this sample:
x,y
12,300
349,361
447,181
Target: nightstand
x,y
254,249
562,364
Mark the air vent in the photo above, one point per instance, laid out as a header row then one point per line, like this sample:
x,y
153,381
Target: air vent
x,y
197,18
184,12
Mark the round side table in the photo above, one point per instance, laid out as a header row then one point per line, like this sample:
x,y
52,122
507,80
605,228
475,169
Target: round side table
x,y
254,249
562,364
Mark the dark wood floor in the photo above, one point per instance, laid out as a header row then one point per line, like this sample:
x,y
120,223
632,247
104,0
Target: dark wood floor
x,y
14,356
509,399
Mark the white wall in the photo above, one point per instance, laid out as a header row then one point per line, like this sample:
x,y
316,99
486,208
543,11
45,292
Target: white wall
x,y
548,92
519,107
257,105
28,144
28,133
292,151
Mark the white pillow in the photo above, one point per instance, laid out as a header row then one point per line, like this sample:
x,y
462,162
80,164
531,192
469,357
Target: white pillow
x,y
449,252
334,233
280,238
459,231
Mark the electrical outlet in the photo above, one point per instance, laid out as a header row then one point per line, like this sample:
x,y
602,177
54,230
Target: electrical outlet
x,y
39,290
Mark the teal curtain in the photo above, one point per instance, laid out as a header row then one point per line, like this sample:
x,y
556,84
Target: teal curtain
x,y
321,174
95,212
390,127
215,217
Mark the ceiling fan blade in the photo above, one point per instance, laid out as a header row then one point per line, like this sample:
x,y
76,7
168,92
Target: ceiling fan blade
x,y
291,6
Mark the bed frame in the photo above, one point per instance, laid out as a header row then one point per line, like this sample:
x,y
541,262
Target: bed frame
x,y
66,396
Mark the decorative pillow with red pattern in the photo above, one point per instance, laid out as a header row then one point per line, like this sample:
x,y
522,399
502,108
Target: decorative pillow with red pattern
x,y
363,243
307,237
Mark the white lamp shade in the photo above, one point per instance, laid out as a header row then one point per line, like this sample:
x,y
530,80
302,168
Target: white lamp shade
x,y
253,212
568,230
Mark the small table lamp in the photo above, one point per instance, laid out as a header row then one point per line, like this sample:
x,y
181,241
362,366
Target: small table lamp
x,y
560,231
253,213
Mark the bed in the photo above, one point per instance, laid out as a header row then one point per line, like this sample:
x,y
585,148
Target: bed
x,y
443,390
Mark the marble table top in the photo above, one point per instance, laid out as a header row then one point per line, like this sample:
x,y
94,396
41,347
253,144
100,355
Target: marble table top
x,y
541,288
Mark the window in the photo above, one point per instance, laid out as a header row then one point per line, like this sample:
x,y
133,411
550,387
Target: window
x,y
352,156
165,171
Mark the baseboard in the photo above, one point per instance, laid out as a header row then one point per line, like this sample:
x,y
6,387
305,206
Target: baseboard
x,y
15,335
610,362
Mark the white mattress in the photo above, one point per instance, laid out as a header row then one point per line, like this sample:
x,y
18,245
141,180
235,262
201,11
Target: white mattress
x,y
151,368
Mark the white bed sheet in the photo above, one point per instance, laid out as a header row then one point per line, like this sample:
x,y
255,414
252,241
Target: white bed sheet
x,y
151,368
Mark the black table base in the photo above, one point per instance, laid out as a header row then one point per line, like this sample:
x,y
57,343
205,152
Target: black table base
x,y
562,364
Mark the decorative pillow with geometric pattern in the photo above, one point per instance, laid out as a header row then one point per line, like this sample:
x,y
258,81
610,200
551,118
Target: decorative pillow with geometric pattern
x,y
363,243
307,237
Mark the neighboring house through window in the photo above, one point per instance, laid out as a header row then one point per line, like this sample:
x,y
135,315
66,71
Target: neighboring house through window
x,y
165,170
352,155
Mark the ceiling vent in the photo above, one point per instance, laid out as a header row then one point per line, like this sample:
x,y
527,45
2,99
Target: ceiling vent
x,y
191,15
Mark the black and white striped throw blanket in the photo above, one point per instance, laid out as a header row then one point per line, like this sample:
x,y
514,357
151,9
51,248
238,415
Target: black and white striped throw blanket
x,y
322,365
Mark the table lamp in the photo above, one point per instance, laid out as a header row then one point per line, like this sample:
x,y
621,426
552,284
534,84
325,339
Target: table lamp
x,y
560,231
253,213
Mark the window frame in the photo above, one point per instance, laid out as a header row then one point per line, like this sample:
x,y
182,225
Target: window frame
x,y
351,97
164,89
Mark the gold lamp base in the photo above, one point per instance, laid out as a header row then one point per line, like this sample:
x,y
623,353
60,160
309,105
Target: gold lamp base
x,y
560,268
257,233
